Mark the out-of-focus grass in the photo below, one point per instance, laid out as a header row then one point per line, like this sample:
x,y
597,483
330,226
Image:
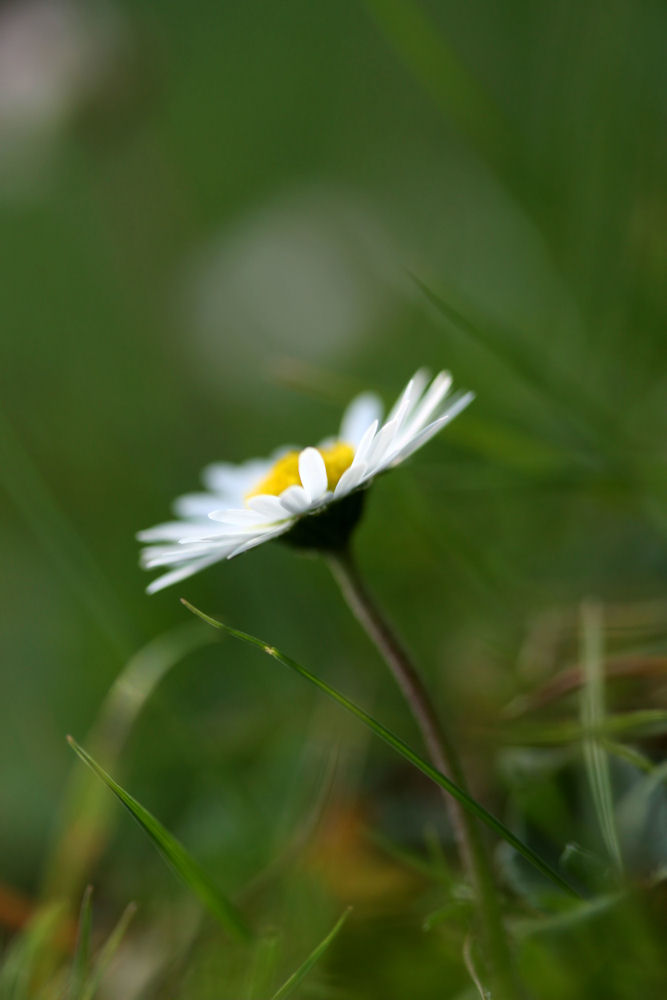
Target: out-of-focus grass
x,y
211,206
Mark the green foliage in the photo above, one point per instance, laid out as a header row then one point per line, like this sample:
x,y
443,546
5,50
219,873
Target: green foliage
x,y
172,851
82,952
292,984
397,744
22,956
21,973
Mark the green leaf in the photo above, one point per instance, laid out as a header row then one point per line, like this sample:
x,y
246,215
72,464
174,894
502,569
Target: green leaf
x,y
107,953
399,746
59,538
85,802
643,722
437,67
23,954
629,754
288,987
82,952
589,416
641,817
590,869
580,913
592,711
172,851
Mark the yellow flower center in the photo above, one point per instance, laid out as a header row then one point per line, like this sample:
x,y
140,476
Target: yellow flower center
x,y
285,472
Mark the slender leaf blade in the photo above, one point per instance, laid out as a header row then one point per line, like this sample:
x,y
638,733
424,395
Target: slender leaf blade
x,y
642,722
107,952
402,748
81,960
288,987
592,711
85,801
173,852
24,952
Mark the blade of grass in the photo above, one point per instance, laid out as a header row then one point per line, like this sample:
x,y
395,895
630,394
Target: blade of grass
x,y
634,812
86,808
35,503
288,987
434,63
580,913
18,961
629,754
589,417
398,745
107,952
592,715
81,959
469,963
172,851
643,722
85,802
261,969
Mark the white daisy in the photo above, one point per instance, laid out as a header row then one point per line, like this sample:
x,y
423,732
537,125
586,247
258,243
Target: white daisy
x,y
299,491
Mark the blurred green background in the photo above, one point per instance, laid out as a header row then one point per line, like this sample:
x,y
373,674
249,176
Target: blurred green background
x,y
219,222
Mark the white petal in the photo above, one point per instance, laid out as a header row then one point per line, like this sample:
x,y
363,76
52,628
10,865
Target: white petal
x,y
350,479
166,555
162,555
358,416
181,573
196,504
231,482
171,531
251,543
410,394
428,432
406,404
295,500
220,476
322,501
381,444
240,517
268,506
217,536
422,413
313,473
220,533
365,443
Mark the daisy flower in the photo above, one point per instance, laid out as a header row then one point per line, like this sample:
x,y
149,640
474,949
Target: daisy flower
x,y
311,496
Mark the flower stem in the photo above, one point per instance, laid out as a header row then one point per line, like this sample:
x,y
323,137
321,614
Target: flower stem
x,y
444,756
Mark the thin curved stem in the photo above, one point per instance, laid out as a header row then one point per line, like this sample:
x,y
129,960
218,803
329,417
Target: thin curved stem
x,y
443,754
368,614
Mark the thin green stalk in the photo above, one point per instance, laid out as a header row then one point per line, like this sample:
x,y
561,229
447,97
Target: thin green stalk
x,y
288,987
399,746
442,753
592,711
173,852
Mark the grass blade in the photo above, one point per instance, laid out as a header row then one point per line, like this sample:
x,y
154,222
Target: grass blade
x,y
81,959
399,746
107,952
438,69
288,987
585,414
35,503
21,957
85,802
592,716
172,851
643,722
